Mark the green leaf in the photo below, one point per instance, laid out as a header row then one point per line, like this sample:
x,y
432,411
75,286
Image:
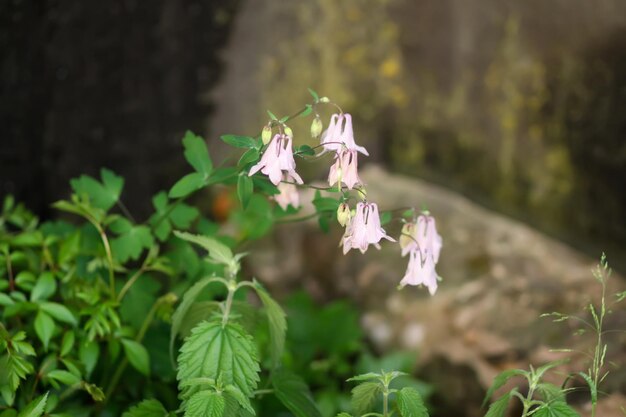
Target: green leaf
x,y
218,252
197,154
364,397
5,300
131,243
240,141
46,286
385,217
147,408
181,312
326,204
500,380
410,403
308,109
44,327
215,351
187,185
245,188
272,115
365,377
593,389
59,312
88,354
293,392
556,409
314,94
205,404
35,408
498,408
550,392
249,156
67,343
277,325
101,195
199,312
305,150
64,377
238,396
137,355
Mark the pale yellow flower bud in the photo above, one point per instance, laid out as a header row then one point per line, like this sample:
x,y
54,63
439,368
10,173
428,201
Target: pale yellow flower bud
x,y
266,135
316,127
324,100
406,238
343,214
288,131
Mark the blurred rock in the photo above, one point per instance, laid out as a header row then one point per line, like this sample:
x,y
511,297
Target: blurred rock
x,y
499,276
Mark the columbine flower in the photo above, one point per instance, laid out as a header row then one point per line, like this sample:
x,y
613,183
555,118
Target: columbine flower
x,y
345,169
421,271
422,236
288,193
340,134
278,157
364,229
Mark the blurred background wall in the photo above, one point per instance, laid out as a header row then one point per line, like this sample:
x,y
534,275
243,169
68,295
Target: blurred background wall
x,y
520,105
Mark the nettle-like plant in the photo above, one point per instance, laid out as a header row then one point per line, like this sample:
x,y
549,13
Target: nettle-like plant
x,y
81,302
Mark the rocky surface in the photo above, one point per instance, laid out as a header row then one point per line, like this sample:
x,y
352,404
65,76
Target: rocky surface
x,y
499,276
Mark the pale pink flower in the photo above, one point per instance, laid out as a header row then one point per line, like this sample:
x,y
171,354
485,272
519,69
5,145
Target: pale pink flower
x,y
421,271
340,134
345,169
424,236
277,158
364,229
288,193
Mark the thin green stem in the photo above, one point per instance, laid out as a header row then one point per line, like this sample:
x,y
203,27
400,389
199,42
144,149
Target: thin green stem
x,y
107,249
229,302
386,403
130,283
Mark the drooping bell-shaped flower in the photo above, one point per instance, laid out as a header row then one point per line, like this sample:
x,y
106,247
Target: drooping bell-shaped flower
x,y
340,134
421,271
277,158
364,229
288,193
345,169
423,236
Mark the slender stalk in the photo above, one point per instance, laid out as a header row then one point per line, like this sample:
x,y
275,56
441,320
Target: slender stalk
x,y
130,283
386,403
10,271
229,302
107,249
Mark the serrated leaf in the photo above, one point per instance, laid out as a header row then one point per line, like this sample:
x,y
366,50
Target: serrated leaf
x,y
197,154
147,408
242,400
179,315
216,351
550,392
363,397
293,392
245,188
218,252
44,288
239,141
44,327
500,380
205,404
187,185
35,408
59,312
556,409
410,403
498,408
137,355
277,325
365,377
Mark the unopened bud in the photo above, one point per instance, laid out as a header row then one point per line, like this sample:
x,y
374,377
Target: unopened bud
x,y
406,238
266,135
343,214
324,100
288,131
316,127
